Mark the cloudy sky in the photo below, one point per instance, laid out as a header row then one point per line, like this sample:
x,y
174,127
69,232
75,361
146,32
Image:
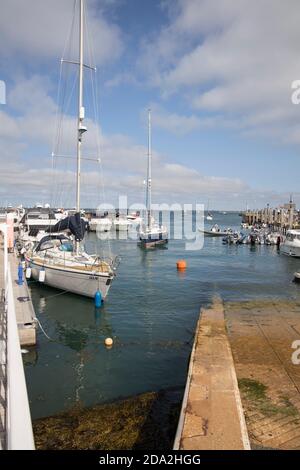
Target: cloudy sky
x,y
217,75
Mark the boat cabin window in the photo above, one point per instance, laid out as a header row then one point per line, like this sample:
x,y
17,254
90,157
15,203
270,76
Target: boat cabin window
x,y
291,237
47,245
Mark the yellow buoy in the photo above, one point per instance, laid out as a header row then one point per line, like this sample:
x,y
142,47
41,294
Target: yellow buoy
x,y
108,342
181,264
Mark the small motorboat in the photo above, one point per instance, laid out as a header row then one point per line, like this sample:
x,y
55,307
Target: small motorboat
x,y
291,245
215,231
233,238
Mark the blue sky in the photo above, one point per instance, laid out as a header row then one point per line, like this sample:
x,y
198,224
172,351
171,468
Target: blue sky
x,y
216,74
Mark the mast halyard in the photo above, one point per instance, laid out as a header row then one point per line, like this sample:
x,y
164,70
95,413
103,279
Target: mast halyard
x,y
81,128
149,218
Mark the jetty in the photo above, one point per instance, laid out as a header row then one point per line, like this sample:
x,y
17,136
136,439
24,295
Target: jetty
x,y
15,311
211,417
282,217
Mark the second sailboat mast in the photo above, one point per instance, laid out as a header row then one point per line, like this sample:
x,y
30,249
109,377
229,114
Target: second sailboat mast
x,y
149,171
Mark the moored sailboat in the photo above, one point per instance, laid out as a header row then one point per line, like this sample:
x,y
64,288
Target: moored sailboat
x,y
151,233
59,259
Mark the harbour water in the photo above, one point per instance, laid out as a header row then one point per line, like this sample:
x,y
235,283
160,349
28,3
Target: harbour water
x,y
151,313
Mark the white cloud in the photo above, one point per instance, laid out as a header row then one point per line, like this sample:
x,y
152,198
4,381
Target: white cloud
x,y
123,78
178,124
124,161
39,28
236,60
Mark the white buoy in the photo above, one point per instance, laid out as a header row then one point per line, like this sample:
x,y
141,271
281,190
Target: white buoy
x,y
42,275
108,342
28,273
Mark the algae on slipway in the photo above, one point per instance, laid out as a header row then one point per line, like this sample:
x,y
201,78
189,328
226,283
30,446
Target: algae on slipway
x,y
146,421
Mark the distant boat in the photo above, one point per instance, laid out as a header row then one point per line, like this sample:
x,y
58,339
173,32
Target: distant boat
x,y
150,232
102,224
215,231
291,245
122,223
209,214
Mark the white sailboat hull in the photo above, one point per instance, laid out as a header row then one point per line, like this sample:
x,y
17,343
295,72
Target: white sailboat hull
x,y
80,283
151,237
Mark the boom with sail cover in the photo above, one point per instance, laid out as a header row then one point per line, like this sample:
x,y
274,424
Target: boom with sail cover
x,y
74,223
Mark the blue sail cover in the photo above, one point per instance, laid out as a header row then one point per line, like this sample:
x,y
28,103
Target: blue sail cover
x,y
74,223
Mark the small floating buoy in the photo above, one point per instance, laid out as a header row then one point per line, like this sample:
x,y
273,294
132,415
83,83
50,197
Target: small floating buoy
x,y
28,273
181,264
98,299
108,342
42,275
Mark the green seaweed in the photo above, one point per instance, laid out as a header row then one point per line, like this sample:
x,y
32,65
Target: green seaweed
x,y
147,421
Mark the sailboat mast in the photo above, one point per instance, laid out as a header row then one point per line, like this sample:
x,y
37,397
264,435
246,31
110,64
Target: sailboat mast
x,y
149,172
80,107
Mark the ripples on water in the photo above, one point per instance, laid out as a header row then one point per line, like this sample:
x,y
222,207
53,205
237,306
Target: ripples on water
x,y
151,312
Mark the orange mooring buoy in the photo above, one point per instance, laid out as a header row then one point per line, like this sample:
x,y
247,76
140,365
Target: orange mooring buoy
x,y
181,264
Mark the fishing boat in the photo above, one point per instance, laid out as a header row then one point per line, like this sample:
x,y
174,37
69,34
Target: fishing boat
x,y
151,233
59,259
291,244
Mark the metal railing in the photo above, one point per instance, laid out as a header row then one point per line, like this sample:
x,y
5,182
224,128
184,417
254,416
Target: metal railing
x,y
19,434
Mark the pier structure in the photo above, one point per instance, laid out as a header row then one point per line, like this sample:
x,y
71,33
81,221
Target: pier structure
x,y
15,420
285,216
211,416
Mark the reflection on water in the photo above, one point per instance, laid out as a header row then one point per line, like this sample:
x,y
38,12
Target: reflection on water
x,y
151,313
